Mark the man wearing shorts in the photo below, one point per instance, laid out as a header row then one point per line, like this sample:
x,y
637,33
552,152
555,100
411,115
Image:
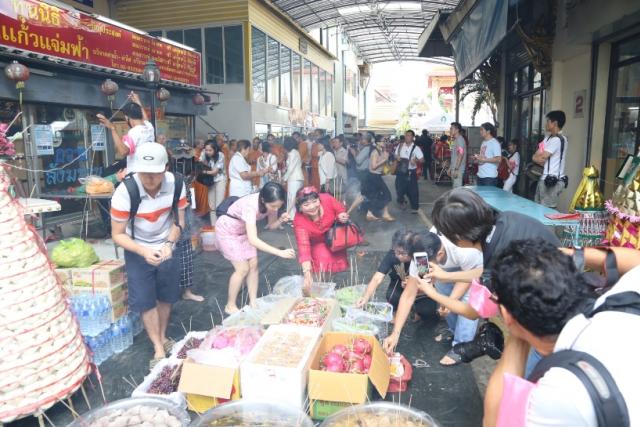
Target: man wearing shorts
x,y
149,242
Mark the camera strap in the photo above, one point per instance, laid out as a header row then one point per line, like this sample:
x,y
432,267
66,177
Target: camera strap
x,y
561,137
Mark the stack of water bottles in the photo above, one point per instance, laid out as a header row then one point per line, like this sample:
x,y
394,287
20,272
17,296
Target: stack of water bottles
x,y
103,337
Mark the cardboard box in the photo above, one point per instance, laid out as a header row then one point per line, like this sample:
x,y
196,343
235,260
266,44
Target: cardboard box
x,y
345,387
104,274
283,384
64,275
207,386
115,294
118,310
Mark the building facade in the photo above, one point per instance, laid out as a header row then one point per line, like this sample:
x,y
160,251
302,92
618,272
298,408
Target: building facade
x,y
272,75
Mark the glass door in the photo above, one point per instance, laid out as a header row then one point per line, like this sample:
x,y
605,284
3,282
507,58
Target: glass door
x,y
623,133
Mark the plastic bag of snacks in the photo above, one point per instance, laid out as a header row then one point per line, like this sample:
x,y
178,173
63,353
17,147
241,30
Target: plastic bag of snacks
x,y
358,325
379,313
290,286
226,346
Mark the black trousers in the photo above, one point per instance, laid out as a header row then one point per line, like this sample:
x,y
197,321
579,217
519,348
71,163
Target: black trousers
x,y
423,306
407,185
377,194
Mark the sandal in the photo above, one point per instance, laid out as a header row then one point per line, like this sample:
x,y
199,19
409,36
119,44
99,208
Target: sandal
x,y
154,362
444,336
451,354
168,345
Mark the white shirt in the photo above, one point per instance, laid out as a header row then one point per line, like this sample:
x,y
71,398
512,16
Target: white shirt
x,y
552,145
327,167
560,399
269,162
139,134
294,167
489,149
153,219
514,163
218,165
458,258
403,151
341,169
238,186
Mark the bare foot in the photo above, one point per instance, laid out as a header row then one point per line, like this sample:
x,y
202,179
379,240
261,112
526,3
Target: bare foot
x,y
188,295
447,361
159,352
231,310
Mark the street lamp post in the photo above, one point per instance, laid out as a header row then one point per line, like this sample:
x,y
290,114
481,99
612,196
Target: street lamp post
x,y
151,77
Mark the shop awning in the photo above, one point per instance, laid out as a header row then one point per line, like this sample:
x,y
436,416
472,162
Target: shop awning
x,y
474,30
431,42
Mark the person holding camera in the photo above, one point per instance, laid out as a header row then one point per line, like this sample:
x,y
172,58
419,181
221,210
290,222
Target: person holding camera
x,y
552,156
589,374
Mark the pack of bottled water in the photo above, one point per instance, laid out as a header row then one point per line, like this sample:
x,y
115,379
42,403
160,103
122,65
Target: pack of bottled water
x,y
93,312
113,340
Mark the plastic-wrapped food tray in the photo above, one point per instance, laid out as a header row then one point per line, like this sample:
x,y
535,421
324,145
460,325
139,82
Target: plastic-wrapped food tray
x,y
91,418
250,413
175,397
380,414
348,296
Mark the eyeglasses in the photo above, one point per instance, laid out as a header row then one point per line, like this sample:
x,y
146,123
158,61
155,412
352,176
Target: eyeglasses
x,y
400,253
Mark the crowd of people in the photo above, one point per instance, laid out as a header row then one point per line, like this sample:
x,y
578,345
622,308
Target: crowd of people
x,y
566,360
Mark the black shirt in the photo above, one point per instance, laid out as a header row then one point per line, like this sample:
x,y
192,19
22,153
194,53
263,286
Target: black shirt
x,y
512,226
387,266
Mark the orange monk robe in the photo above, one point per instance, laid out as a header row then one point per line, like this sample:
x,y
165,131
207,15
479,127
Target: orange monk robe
x,y
303,149
202,194
252,159
227,159
278,151
315,161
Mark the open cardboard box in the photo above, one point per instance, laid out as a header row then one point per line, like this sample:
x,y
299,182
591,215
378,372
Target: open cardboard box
x,y
283,384
207,386
345,387
334,313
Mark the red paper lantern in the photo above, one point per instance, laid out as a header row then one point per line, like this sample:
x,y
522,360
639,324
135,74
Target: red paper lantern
x,y
198,99
18,73
163,95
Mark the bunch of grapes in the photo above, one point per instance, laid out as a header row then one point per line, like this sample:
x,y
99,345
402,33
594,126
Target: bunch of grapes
x,y
167,382
189,345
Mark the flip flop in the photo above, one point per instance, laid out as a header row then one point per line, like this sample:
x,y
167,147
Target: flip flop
x,y
168,345
154,362
457,359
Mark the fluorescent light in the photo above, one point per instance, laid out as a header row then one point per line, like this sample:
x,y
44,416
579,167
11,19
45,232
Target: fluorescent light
x,y
353,10
400,5
118,24
175,43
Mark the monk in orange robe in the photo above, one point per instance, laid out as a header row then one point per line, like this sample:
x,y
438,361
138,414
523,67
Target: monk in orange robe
x,y
315,161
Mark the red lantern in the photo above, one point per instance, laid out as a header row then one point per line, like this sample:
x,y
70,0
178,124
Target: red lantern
x,y
163,95
198,99
18,73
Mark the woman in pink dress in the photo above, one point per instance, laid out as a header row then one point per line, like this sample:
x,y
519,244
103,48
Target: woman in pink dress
x,y
317,214
237,238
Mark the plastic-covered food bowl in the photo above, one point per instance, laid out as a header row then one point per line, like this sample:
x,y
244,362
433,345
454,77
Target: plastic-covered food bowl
x,y
250,413
380,414
148,408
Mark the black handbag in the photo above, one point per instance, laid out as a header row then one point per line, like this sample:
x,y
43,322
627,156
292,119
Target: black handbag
x,y
205,179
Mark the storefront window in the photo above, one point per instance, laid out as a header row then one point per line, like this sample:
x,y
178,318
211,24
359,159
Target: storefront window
x,y
258,70
329,95
323,93
306,86
175,129
623,131
214,55
296,72
314,89
285,76
261,130
273,71
233,49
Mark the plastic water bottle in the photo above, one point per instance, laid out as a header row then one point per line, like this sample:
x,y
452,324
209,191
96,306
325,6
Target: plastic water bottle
x,y
98,353
105,314
107,351
84,309
91,342
129,329
116,341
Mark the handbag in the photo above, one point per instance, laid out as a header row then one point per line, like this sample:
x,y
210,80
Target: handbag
x,y
342,236
205,179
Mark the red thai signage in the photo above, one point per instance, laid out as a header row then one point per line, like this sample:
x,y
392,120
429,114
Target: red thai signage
x,y
38,27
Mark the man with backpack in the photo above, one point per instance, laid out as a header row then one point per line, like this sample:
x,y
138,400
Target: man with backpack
x,y
552,156
408,156
589,375
147,217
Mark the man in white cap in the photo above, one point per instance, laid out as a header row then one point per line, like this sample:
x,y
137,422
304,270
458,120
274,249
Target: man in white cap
x,y
147,217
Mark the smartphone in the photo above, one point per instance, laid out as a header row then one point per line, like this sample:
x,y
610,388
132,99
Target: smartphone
x,y
422,263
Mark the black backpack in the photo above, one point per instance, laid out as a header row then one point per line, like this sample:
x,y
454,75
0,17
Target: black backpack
x,y
608,402
223,208
134,196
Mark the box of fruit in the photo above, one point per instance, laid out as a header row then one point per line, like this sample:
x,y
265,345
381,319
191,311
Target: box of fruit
x,y
313,312
104,274
278,366
352,361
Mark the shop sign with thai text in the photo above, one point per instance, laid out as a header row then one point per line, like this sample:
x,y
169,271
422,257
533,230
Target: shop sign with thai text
x,y
38,27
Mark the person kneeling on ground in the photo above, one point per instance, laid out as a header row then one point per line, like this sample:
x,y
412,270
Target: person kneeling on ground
x,y
147,225
396,264
449,257
589,376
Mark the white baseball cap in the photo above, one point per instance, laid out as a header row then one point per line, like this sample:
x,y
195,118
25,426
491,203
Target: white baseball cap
x,y
150,157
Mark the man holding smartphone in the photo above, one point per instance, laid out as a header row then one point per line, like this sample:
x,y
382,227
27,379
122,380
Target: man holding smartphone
x,y
426,247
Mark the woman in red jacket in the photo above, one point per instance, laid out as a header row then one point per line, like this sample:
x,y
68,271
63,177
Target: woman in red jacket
x,y
317,214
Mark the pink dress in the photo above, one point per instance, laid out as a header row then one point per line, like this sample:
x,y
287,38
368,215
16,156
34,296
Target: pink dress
x,y
231,233
310,238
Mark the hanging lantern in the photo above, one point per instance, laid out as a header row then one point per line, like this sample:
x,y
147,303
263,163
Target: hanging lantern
x,y
198,99
109,88
163,96
18,73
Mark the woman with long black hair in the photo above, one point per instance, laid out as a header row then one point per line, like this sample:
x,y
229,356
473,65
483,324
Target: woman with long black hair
x,y
214,160
376,191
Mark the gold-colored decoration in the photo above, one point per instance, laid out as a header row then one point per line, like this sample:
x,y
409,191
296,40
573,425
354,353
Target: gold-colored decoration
x,y
588,195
